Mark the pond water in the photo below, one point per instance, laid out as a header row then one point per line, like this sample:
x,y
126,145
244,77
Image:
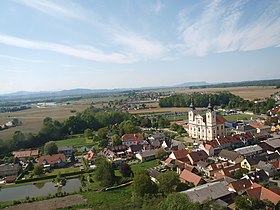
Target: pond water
x,y
36,190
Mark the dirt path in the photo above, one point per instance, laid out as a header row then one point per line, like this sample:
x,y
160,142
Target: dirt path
x,y
51,204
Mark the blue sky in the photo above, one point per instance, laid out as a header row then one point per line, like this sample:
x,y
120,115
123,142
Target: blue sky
x,y
64,44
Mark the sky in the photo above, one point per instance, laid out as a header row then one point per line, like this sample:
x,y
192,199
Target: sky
x,y
50,45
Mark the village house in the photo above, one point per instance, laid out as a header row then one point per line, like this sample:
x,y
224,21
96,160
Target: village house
x,y
157,136
258,177
267,167
197,156
179,155
241,129
227,171
209,191
240,186
230,156
262,193
111,153
189,177
10,170
249,150
132,139
134,149
261,128
52,161
25,154
214,168
271,145
251,162
173,145
66,150
147,155
207,126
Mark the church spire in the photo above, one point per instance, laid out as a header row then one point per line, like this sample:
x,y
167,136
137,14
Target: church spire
x,y
192,105
210,105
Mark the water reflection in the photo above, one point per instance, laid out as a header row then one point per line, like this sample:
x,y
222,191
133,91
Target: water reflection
x,y
38,189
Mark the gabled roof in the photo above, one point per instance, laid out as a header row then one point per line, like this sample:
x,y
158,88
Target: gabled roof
x,y
65,148
136,148
180,154
191,177
229,171
148,153
230,155
26,153
274,143
51,159
258,176
198,155
240,185
262,193
132,137
209,191
248,149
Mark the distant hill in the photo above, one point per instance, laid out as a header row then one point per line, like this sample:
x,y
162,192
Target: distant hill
x,y
191,84
79,92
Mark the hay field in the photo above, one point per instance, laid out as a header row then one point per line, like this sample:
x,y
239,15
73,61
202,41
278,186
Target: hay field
x,y
249,93
32,119
159,110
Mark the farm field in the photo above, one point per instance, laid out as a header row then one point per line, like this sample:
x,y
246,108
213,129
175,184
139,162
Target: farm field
x,y
159,110
32,119
249,93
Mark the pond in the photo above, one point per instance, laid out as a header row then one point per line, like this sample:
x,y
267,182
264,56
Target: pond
x,y
38,189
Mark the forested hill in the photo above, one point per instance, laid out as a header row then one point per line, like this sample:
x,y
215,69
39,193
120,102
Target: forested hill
x,y
223,100
273,82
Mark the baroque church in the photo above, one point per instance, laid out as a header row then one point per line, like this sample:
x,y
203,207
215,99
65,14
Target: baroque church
x,y
205,126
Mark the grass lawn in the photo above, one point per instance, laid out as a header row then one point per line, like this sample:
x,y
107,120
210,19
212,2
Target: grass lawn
x,y
140,166
115,199
235,117
75,142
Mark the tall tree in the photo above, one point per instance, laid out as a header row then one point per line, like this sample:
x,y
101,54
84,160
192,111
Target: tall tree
x,y
50,148
116,140
142,184
125,170
168,182
178,201
105,173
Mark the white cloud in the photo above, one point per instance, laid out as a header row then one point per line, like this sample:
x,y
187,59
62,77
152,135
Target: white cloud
x,y
220,27
53,9
66,50
143,47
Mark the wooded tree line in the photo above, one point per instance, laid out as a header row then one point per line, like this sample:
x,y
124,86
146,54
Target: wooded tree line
x,y
92,119
224,100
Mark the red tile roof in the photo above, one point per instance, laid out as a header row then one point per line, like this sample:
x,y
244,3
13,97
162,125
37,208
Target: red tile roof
x,y
240,185
187,176
197,156
221,120
180,154
262,193
132,137
51,159
25,154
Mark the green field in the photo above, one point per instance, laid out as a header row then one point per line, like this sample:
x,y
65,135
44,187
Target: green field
x,y
236,117
75,142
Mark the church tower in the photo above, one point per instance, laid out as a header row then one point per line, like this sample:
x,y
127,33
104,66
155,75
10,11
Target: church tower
x,y
192,112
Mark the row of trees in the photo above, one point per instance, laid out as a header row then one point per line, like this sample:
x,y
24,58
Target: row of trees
x,y
224,99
